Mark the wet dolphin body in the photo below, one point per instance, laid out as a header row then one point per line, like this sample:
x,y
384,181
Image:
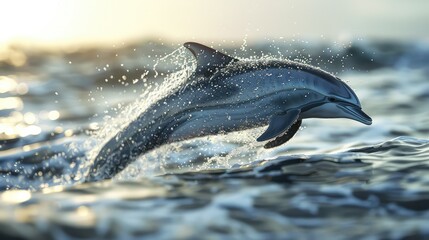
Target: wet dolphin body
x,y
225,94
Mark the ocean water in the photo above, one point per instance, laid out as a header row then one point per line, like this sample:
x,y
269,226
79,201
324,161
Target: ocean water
x,y
335,179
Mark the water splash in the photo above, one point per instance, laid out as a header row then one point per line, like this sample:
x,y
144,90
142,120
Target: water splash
x,y
181,66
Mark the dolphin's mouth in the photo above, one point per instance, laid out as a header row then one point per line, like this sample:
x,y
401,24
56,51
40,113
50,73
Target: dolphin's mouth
x,y
356,113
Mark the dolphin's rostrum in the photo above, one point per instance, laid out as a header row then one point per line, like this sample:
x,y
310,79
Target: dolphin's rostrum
x,y
225,94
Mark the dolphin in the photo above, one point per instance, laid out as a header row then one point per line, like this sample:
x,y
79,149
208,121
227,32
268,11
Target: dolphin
x,y
225,94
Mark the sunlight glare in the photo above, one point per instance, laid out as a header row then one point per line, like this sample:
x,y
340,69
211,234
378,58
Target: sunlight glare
x,y
15,196
30,19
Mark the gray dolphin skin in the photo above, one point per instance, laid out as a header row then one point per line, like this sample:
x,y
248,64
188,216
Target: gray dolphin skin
x,y
225,94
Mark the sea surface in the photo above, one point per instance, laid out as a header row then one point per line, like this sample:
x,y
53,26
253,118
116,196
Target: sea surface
x,y
336,179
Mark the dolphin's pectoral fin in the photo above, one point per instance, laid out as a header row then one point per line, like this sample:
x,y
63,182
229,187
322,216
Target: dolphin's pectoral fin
x,y
279,124
286,137
208,59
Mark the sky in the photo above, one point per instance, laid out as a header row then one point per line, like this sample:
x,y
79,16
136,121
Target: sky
x,y
68,22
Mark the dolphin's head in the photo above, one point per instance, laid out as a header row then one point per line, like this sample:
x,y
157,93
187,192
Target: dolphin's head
x,y
330,96
339,100
336,99
334,107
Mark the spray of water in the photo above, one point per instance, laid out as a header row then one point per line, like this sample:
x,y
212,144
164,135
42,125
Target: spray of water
x,y
181,66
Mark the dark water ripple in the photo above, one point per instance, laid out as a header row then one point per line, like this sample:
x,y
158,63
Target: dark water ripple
x,y
364,192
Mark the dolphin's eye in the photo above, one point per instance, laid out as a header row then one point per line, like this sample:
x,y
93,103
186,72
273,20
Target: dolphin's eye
x,y
331,99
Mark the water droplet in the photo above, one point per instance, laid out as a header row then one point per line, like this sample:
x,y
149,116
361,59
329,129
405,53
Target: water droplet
x,y
53,115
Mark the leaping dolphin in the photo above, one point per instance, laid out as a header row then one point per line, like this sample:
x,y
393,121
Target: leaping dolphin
x,y
225,94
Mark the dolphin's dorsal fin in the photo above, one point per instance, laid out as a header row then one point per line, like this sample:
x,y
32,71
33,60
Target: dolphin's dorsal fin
x,y
208,59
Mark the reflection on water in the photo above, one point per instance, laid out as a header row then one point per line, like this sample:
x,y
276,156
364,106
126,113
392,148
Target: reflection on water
x,y
334,177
